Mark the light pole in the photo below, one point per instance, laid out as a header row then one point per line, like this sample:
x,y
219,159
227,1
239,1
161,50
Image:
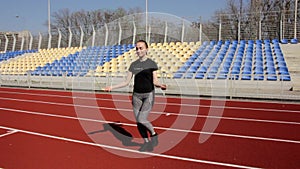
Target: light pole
x,y
295,24
146,21
49,22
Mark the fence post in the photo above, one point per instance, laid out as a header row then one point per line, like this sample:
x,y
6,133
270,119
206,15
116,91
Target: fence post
x,y
30,41
120,32
49,40
106,34
40,40
22,42
166,32
182,32
281,27
149,32
6,43
200,33
14,42
59,38
239,29
134,32
70,37
220,29
81,36
94,36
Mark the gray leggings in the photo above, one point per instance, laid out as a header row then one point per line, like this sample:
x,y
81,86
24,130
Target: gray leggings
x,y
142,105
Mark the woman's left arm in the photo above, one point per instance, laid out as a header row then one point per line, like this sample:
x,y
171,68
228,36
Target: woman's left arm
x,y
157,83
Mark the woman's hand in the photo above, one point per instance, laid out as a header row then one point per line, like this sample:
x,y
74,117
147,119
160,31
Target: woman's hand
x,y
107,89
163,87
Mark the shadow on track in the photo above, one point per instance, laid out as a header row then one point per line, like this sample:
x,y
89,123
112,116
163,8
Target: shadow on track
x,y
119,132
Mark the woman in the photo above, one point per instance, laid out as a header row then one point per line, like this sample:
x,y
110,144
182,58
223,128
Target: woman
x,y
145,79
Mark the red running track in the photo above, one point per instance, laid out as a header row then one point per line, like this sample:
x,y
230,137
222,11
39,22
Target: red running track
x,y
65,129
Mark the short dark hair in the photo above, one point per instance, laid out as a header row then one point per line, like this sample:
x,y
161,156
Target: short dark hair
x,y
146,44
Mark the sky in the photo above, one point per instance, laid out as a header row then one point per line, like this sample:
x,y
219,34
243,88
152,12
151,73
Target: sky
x,y
32,15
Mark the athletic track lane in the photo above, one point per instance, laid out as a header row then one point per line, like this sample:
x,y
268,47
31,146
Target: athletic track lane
x,y
40,129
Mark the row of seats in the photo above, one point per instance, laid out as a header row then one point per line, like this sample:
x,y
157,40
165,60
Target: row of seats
x,y
31,61
11,54
292,41
244,60
167,55
80,63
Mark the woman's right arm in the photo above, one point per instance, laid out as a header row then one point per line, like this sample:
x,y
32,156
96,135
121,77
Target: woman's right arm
x,y
123,84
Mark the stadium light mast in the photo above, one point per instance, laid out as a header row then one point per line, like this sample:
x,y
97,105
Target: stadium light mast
x,y
295,24
146,21
49,22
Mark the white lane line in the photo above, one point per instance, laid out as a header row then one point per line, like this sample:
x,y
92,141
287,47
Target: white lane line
x,y
130,150
161,128
232,118
185,104
155,112
8,133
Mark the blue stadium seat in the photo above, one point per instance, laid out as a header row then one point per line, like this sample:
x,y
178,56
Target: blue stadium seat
x,y
258,77
272,77
247,70
211,76
222,76
234,77
199,75
259,70
213,69
224,70
235,70
203,69
177,75
271,71
246,77
281,64
248,63
294,41
284,41
189,75
286,77
192,69
182,69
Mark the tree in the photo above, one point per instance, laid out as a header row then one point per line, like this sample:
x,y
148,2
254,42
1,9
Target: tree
x,y
252,19
85,21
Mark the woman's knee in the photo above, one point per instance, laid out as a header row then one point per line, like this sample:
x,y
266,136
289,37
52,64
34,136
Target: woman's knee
x,y
141,119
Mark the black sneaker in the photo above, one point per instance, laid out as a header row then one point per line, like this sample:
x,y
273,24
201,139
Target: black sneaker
x,y
154,139
147,146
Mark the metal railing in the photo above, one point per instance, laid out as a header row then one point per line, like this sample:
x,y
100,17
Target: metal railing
x,y
229,88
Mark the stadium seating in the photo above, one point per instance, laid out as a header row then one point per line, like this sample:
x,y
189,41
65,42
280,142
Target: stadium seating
x,y
106,59
56,62
12,54
246,60
294,41
243,60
